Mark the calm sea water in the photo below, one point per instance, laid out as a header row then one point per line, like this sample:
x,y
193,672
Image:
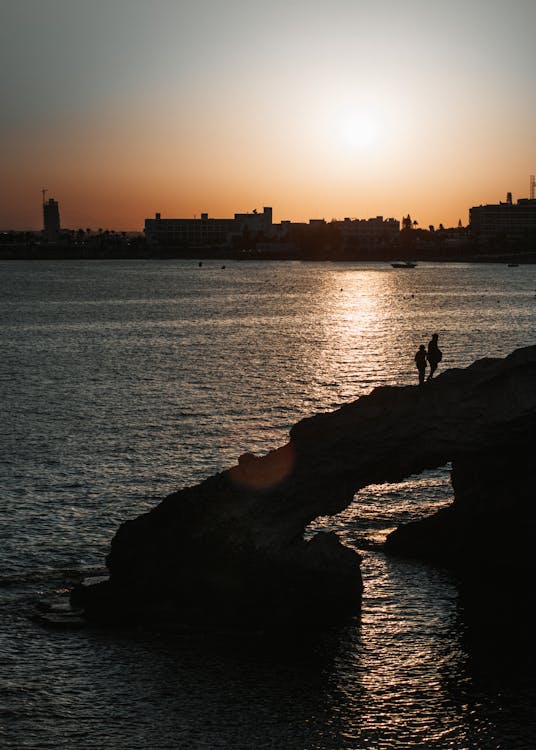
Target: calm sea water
x,y
122,381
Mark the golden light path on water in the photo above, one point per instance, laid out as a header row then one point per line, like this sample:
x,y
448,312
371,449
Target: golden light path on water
x,y
378,320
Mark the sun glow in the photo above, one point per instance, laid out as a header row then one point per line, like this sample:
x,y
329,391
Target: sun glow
x,y
359,131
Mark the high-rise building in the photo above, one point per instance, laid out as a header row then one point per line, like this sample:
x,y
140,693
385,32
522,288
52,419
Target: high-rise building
x,y
51,220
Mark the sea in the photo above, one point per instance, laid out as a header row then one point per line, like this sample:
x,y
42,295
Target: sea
x,y
124,380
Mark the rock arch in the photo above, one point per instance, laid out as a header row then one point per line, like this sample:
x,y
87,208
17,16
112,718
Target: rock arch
x,y
230,550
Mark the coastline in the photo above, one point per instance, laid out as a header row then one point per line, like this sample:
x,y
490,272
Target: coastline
x,y
137,252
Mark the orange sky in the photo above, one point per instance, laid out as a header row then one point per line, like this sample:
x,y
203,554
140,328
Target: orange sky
x,y
321,111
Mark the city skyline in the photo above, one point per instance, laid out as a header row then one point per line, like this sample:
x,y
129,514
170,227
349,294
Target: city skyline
x,y
122,110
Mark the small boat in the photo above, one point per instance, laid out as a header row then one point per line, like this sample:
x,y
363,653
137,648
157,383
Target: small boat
x,y
513,265
405,264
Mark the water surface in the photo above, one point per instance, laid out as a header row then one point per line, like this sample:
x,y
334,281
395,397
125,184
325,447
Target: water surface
x,y
124,380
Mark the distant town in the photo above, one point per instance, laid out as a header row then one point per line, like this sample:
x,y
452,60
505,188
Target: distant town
x,y
496,232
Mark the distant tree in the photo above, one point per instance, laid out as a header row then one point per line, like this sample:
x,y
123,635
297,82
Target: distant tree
x,y
407,236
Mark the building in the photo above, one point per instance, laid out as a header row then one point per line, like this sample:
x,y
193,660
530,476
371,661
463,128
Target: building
x,y
255,222
51,220
189,232
503,221
206,231
369,232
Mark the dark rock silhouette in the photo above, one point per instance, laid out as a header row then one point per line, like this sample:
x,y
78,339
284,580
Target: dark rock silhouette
x,y
230,551
491,524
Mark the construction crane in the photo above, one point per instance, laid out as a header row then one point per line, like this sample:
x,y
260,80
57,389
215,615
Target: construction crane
x,y
44,191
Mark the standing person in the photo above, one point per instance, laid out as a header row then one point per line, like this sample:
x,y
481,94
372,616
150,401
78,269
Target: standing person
x,y
420,361
434,355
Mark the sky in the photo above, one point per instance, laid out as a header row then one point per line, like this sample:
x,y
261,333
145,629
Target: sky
x,y
346,108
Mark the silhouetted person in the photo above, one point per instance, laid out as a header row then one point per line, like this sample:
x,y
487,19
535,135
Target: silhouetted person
x,y
420,361
433,355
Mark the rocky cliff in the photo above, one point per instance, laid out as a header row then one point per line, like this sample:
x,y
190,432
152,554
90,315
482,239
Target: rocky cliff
x,y
231,549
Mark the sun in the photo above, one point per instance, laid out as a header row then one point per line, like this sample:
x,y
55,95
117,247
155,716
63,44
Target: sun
x,y
358,131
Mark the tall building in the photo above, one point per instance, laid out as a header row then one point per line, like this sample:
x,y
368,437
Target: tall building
x,y
51,220
503,221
